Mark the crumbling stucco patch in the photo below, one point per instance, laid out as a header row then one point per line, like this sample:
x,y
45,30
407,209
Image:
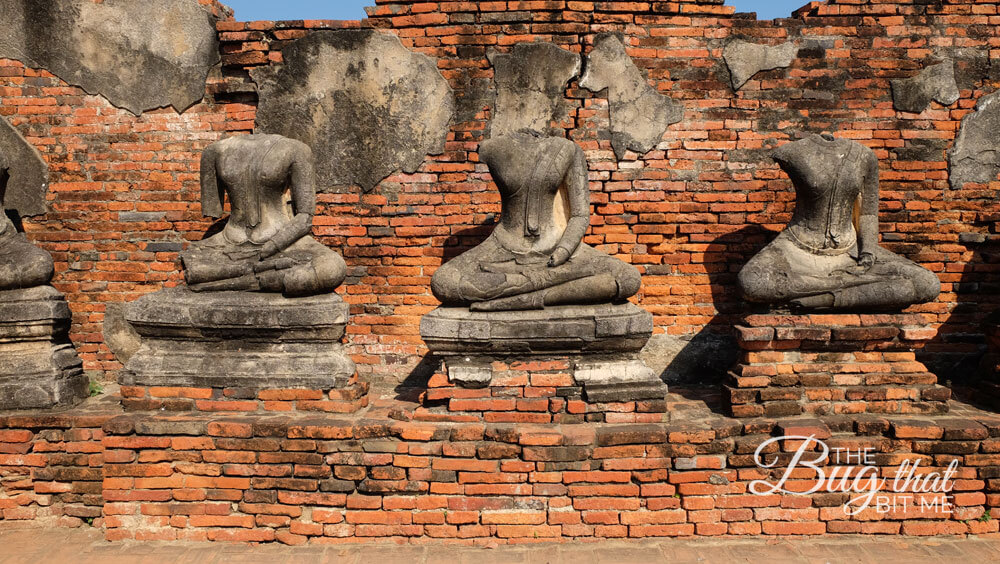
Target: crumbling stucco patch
x,y
139,55
746,59
976,154
640,115
24,172
365,104
935,83
531,85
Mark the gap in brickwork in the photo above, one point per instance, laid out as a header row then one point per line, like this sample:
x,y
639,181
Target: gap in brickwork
x,y
288,10
768,9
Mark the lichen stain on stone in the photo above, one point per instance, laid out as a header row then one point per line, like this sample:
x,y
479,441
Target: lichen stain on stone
x,y
745,59
975,158
138,55
935,83
640,114
531,83
366,105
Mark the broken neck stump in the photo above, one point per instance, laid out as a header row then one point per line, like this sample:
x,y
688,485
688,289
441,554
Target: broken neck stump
x,y
832,364
562,364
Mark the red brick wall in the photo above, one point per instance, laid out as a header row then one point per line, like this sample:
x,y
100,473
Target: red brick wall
x,y
689,214
300,479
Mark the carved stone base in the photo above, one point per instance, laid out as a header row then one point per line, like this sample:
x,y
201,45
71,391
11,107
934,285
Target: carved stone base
x,y
562,364
39,368
826,364
239,342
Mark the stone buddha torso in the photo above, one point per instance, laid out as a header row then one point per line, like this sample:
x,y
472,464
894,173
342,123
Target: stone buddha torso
x,y
535,256
266,244
828,181
823,259
255,171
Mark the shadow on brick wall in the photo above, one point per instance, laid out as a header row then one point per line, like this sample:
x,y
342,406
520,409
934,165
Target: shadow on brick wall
x,y
701,361
956,353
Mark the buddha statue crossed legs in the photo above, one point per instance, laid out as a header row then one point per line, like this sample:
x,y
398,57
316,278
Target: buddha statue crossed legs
x,y
821,260
536,256
264,246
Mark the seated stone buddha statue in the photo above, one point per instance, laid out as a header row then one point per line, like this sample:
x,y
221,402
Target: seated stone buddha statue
x,y
535,256
22,265
266,244
822,260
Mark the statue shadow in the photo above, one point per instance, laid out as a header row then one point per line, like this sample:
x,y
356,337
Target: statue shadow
x,y
216,228
956,354
696,371
410,388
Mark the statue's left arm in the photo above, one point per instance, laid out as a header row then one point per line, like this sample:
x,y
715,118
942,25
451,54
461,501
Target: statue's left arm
x,y
303,188
578,186
868,222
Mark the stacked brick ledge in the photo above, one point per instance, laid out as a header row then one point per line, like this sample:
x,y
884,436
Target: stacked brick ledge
x,y
530,391
833,363
300,479
350,399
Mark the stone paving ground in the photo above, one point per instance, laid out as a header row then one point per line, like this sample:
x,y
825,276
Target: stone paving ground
x,y
84,546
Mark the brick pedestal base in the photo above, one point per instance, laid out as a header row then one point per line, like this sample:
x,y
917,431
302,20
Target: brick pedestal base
x,y
821,364
540,390
151,398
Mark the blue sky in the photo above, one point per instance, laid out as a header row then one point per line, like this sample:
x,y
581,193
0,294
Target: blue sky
x,y
352,9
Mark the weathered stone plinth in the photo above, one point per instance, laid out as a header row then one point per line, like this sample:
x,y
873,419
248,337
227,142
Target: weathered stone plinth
x,y
240,351
827,364
39,368
561,364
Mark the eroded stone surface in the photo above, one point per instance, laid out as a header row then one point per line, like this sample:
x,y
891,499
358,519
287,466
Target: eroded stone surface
x,y
640,115
976,155
39,367
746,59
138,55
562,329
531,85
26,177
366,105
935,83
119,335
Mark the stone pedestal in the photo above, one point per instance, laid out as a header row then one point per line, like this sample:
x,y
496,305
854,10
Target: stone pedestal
x,y
826,364
39,368
240,351
561,364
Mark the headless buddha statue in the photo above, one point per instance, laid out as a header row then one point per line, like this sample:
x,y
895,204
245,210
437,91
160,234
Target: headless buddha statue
x,y
821,260
535,256
266,244
22,265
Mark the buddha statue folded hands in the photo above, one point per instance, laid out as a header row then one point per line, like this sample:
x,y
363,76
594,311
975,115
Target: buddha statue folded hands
x,y
266,244
822,260
535,256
